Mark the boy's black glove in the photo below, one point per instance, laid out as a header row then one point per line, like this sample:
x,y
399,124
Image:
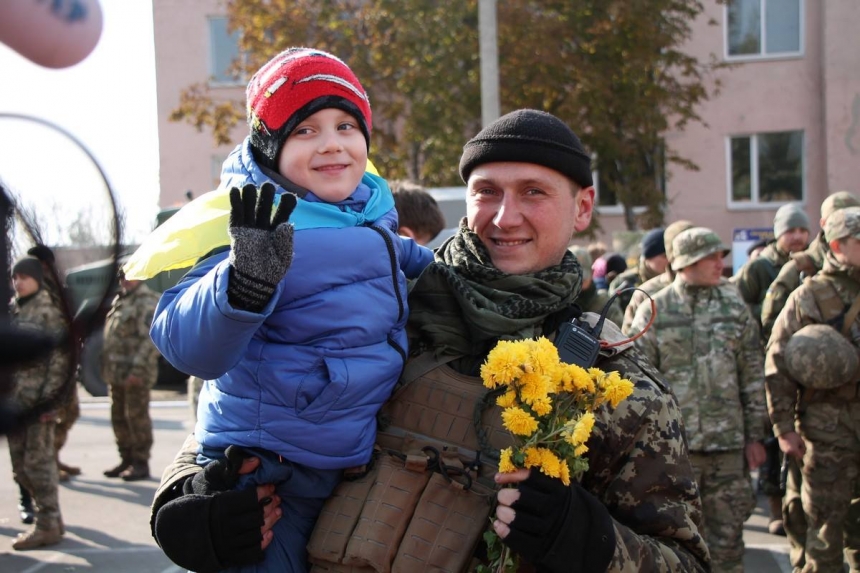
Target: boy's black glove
x,y
211,532
210,527
261,246
217,476
561,528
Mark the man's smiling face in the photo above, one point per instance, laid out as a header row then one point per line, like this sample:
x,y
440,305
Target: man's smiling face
x,y
525,214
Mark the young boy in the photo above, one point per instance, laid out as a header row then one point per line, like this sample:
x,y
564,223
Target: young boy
x,y
299,328
417,211
32,451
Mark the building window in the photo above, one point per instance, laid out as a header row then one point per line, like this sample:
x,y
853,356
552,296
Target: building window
x,y
766,168
764,28
223,53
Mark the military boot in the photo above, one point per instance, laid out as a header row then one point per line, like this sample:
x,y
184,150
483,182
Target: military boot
x,y
70,470
48,531
38,537
135,472
775,525
121,467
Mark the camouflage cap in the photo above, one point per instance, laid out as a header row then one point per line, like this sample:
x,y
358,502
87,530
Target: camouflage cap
x,y
695,244
837,201
671,232
842,223
818,356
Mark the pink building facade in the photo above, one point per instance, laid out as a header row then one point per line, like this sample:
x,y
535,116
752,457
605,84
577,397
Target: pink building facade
x,y
785,126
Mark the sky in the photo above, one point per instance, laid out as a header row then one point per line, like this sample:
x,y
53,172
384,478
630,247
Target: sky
x,y
108,103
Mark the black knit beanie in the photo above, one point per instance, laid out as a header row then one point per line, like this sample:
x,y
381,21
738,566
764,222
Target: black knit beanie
x,y
652,244
30,266
529,136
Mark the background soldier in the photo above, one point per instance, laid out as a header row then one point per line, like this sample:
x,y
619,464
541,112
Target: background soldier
x,y
31,448
70,410
791,229
804,264
130,367
706,343
811,370
590,299
658,283
652,263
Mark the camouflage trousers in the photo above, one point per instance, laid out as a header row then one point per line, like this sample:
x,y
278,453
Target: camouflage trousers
x,y
831,466
67,414
132,425
794,521
728,501
34,466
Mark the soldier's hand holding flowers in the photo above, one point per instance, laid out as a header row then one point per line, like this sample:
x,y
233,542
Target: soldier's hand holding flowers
x,y
548,407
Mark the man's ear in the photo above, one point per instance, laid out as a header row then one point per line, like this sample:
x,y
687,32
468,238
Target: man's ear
x,y
584,200
406,232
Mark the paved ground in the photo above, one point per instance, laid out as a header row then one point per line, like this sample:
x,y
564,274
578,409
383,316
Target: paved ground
x,y
107,520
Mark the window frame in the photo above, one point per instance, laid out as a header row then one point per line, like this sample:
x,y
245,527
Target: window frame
x,y
210,55
763,31
754,203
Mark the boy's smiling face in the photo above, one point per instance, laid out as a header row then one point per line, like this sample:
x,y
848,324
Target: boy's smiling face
x,y
326,154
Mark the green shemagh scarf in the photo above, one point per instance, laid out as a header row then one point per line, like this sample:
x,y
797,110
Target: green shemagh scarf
x,y
462,304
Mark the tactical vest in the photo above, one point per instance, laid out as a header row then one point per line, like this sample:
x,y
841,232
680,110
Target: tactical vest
x,y
836,313
424,503
426,499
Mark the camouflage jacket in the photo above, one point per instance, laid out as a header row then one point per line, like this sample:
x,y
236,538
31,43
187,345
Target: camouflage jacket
x,y
800,310
639,469
651,287
593,300
803,264
628,279
39,379
128,350
756,275
706,343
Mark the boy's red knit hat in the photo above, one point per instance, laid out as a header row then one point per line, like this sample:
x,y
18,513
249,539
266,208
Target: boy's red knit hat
x,y
294,85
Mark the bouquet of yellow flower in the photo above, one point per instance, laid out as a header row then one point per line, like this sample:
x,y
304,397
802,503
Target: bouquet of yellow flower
x,y
548,407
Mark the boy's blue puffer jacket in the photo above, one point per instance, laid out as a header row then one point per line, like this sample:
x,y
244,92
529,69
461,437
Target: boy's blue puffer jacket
x,y
306,377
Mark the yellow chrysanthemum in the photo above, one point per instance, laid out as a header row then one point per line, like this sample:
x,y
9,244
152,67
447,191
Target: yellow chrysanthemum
x,y
533,457
507,399
542,406
504,364
564,474
616,388
582,429
543,356
533,386
580,450
550,464
518,421
505,463
580,379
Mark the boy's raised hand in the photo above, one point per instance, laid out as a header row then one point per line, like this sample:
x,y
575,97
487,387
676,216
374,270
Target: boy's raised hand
x,y
261,245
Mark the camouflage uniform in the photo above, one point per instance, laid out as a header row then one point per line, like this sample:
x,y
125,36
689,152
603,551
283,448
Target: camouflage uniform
x,y
32,448
661,281
705,342
803,264
828,421
631,278
651,287
755,276
593,300
128,351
